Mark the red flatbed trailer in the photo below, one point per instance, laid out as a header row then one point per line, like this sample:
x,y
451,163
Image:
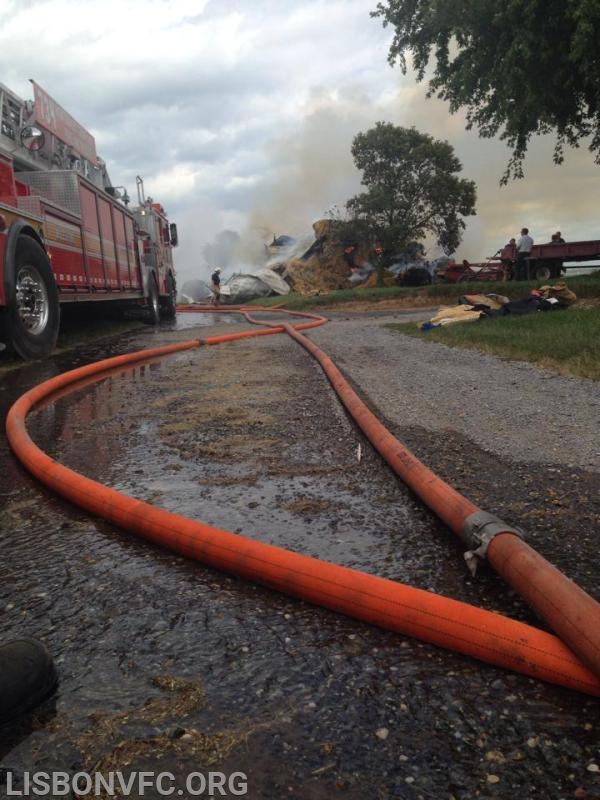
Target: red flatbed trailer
x,y
547,260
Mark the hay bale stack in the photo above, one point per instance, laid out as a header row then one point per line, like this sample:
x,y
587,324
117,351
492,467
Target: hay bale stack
x,y
323,267
389,279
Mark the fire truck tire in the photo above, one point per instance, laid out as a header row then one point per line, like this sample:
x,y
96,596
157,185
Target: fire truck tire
x,y
32,316
152,316
169,303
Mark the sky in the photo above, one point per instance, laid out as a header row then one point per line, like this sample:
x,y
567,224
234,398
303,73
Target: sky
x,y
240,115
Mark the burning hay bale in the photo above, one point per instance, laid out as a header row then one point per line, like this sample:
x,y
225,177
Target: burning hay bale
x,y
389,279
324,266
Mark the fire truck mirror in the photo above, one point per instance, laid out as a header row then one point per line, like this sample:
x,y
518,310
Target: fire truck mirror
x,y
174,236
32,138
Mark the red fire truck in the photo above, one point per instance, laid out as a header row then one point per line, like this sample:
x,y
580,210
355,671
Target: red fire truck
x,y
67,235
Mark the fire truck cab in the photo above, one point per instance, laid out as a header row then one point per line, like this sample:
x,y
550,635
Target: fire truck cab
x,y
66,234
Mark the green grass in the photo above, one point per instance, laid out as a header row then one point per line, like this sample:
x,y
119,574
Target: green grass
x,y
298,302
564,341
584,286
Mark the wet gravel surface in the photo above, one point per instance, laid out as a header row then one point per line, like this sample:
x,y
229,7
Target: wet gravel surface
x,y
507,407
168,666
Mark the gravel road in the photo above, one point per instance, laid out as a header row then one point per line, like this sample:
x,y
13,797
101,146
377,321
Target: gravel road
x,y
507,407
310,705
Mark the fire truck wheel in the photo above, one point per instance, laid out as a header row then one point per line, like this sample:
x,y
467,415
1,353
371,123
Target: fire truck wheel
x,y
32,316
153,307
169,302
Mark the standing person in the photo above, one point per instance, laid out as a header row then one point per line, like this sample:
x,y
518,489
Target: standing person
x,y
215,279
524,246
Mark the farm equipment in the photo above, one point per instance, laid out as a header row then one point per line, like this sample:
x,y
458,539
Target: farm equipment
x,y
545,262
491,270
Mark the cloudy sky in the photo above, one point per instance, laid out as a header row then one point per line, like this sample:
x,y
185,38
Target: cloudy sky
x,y
240,115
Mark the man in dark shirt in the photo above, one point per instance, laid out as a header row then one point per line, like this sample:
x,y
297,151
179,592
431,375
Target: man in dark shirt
x,y
524,245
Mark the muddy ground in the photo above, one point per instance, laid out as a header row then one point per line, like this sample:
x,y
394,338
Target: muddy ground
x,y
168,666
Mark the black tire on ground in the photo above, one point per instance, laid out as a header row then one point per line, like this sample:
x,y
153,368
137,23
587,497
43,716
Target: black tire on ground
x,y
27,677
416,276
169,303
31,319
152,315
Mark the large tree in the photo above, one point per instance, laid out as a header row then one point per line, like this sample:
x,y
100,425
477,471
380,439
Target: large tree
x,y
412,188
518,68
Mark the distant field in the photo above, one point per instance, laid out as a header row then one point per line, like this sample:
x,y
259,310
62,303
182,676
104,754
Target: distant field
x,y
579,270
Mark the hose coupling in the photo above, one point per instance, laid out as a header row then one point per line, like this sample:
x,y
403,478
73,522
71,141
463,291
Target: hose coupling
x,y
478,531
201,341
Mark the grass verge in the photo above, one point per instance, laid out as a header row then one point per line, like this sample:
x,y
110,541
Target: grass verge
x,y
563,341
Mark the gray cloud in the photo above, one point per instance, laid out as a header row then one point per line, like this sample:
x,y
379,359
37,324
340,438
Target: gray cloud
x,y
240,114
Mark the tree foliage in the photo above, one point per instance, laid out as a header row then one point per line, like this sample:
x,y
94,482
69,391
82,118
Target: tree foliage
x,y
519,68
412,188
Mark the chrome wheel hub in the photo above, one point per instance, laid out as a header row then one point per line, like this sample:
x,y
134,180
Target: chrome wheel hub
x,y
32,302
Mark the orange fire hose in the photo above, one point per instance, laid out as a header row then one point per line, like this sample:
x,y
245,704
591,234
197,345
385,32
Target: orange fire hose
x,y
448,623
568,610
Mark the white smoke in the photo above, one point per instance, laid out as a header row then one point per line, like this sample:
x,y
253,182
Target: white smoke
x,y
312,171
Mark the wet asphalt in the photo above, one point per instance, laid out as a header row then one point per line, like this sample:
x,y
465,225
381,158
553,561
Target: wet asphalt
x,y
306,703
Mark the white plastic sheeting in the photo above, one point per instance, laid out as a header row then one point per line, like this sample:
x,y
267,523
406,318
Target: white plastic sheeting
x,y
243,288
237,289
274,281
195,291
